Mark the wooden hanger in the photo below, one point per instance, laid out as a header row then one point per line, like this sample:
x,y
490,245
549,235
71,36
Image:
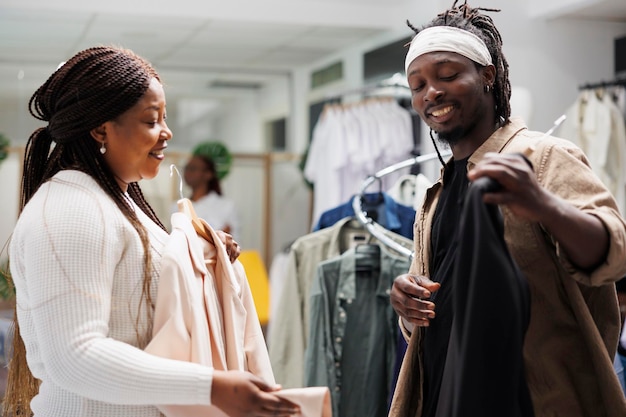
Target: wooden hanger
x,y
186,207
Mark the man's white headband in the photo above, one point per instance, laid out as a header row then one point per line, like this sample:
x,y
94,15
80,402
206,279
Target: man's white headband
x,y
448,39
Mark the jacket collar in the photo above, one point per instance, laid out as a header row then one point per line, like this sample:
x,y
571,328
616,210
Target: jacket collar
x,y
498,140
181,222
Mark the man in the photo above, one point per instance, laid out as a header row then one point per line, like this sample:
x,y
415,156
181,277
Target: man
x,y
561,226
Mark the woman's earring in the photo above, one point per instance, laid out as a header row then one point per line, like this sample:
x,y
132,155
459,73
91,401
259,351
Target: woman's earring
x,y
103,150
487,88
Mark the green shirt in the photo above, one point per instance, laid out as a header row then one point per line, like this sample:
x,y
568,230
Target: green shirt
x,y
353,332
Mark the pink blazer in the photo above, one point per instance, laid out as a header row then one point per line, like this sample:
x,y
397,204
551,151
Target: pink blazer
x,y
204,313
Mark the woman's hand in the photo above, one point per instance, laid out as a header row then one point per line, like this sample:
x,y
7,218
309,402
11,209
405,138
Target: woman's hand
x,y
409,298
232,247
242,394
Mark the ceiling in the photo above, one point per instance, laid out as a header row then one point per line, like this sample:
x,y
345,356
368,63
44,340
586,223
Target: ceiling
x,y
197,43
194,45
605,10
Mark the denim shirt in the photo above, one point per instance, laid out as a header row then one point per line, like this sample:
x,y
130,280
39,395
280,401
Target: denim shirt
x,y
390,214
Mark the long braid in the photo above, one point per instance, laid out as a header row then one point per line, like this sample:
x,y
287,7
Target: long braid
x,y
95,86
135,193
472,20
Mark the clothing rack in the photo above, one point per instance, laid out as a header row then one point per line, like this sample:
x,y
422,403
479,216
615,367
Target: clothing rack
x,y
601,84
394,87
371,226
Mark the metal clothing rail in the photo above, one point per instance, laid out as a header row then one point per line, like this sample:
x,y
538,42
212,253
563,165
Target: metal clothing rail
x,y
602,84
370,225
396,81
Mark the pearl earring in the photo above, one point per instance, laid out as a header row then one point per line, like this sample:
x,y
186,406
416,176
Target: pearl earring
x,y
487,88
103,150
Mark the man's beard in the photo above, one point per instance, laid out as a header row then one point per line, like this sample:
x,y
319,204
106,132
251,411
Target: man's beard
x,y
451,137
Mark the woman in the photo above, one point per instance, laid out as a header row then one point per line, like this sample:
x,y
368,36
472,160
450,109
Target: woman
x,y
206,194
84,255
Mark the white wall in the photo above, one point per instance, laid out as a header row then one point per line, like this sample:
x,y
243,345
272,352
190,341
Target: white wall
x,y
554,7
16,123
10,170
240,125
191,120
274,101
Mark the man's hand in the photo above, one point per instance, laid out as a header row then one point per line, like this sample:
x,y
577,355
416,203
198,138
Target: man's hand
x,y
409,298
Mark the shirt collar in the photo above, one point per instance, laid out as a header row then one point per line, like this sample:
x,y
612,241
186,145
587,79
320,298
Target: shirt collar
x,y
346,284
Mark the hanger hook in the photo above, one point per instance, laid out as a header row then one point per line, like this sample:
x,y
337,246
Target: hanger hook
x,y
180,179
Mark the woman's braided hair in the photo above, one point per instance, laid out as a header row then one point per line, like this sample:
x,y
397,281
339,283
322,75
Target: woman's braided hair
x,y
472,20
95,86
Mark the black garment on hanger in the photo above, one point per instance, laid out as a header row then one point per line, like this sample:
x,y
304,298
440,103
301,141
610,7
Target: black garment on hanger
x,y
484,371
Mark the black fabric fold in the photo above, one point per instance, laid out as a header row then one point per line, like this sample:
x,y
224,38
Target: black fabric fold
x,y
484,371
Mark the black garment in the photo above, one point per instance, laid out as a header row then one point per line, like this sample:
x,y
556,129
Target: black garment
x,y
443,248
620,286
484,371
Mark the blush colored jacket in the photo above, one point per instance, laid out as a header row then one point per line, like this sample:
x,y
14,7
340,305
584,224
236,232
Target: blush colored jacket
x,y
204,311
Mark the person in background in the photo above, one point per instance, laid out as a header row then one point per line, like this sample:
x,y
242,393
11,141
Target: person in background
x,y
561,226
200,174
84,256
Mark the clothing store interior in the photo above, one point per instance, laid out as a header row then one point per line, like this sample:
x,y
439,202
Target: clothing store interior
x,y
310,105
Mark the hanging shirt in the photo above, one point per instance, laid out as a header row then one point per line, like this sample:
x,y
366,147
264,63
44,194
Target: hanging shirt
x,y
326,157
596,125
410,190
391,215
288,338
353,330
349,143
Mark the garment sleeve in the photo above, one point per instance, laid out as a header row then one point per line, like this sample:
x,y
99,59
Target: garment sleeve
x,y
319,359
287,340
71,257
318,352
255,348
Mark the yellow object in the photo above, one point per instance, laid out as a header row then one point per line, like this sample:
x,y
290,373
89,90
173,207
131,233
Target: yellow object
x,y
259,283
